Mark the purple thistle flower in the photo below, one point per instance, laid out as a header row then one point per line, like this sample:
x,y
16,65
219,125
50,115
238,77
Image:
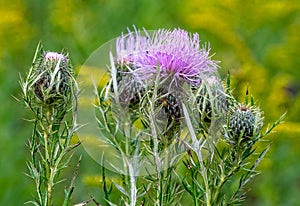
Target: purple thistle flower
x,y
54,56
176,53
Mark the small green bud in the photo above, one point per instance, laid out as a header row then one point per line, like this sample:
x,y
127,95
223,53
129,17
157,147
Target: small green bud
x,y
242,123
169,115
211,98
130,91
169,104
52,77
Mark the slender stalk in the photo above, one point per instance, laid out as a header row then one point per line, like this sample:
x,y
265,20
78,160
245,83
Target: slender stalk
x,y
197,148
155,141
207,188
218,188
133,189
157,158
48,163
72,185
195,198
157,161
225,177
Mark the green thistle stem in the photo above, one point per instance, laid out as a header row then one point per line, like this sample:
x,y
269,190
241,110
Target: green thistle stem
x,y
195,198
208,189
225,177
219,186
157,158
48,163
222,181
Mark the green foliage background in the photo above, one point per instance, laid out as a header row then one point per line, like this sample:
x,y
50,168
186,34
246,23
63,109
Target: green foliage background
x,y
258,41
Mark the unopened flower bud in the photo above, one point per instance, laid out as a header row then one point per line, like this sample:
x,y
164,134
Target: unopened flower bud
x,y
242,123
211,99
130,91
170,104
52,79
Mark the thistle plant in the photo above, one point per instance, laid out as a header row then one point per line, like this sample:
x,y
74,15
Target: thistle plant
x,y
166,106
50,92
222,158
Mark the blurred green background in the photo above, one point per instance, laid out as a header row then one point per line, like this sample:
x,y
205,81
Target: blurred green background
x,y
258,41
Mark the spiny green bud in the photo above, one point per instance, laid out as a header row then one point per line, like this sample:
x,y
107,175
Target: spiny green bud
x,y
52,77
241,123
130,91
169,104
211,98
169,114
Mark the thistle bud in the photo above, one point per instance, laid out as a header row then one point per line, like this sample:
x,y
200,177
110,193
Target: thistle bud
x,y
170,105
52,77
169,114
242,123
130,90
211,98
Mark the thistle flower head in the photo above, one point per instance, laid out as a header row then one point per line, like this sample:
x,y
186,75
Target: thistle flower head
x,y
174,53
51,78
244,123
241,122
